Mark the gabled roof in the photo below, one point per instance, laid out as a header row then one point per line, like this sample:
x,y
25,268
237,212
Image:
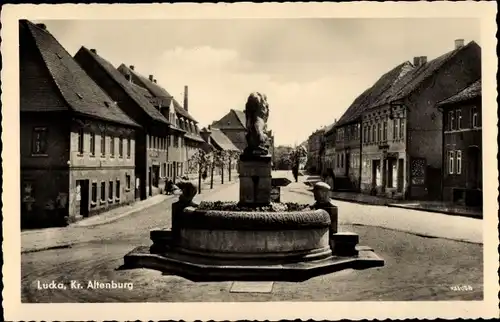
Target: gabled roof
x,y
240,115
329,128
412,80
76,88
138,97
220,140
470,92
157,91
366,99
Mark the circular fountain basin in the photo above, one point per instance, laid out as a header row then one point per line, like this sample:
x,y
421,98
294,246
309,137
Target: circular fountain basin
x,y
289,236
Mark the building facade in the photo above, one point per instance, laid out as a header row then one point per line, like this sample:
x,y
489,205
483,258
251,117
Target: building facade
x,y
402,154
77,145
151,152
184,138
314,152
462,146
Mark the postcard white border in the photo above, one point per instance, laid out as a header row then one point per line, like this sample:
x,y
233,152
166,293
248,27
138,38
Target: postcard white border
x,y
14,310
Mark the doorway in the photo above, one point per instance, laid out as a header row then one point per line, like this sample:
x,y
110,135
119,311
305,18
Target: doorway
x,y
84,197
347,163
400,175
156,175
473,168
376,173
150,178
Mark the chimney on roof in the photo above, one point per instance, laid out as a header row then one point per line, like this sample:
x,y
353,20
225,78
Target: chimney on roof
x,y
131,67
205,134
459,43
128,77
151,78
93,51
186,97
423,60
41,26
154,81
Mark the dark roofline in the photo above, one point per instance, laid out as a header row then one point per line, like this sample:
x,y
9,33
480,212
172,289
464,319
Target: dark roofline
x,y
447,57
126,90
458,98
147,83
127,122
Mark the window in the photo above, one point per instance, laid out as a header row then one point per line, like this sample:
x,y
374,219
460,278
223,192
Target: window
x,y
374,133
451,162
395,129
103,191
39,140
474,117
92,144
94,192
169,141
150,145
129,147
127,182
451,120
459,161
164,170
401,129
338,160
458,116
120,147
385,131
117,189
110,191
176,141
112,146
103,145
342,160
379,136
80,141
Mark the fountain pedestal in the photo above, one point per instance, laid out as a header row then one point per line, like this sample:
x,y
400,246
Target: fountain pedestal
x,y
253,240
255,179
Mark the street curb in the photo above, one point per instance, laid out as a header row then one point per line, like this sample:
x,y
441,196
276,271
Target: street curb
x,y
167,198
70,244
402,206
445,212
81,223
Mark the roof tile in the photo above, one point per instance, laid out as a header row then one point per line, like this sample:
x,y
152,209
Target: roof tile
x,y
137,96
79,91
470,92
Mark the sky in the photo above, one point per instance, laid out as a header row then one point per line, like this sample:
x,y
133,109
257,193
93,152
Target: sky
x,y
310,69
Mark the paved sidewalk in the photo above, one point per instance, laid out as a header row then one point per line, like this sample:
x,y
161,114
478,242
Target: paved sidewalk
x,y
429,206
87,229
417,222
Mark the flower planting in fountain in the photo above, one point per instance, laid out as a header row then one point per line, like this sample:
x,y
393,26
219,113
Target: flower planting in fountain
x,y
235,206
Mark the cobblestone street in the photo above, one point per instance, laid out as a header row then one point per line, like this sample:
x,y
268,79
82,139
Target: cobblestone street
x,y
418,266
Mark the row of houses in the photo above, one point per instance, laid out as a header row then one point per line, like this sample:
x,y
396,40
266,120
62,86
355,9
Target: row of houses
x,y
414,134
94,137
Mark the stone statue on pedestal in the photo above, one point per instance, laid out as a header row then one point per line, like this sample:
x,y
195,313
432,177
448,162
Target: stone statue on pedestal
x,y
257,113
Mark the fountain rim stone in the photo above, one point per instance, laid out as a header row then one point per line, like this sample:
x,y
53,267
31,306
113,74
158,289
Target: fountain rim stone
x,y
193,218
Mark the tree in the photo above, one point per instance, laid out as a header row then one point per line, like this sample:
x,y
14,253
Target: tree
x,y
233,157
200,161
295,157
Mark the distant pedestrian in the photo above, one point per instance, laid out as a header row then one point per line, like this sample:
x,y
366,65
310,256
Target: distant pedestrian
x,y
295,172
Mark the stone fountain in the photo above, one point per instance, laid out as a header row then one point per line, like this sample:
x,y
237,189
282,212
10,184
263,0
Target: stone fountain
x,y
253,239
